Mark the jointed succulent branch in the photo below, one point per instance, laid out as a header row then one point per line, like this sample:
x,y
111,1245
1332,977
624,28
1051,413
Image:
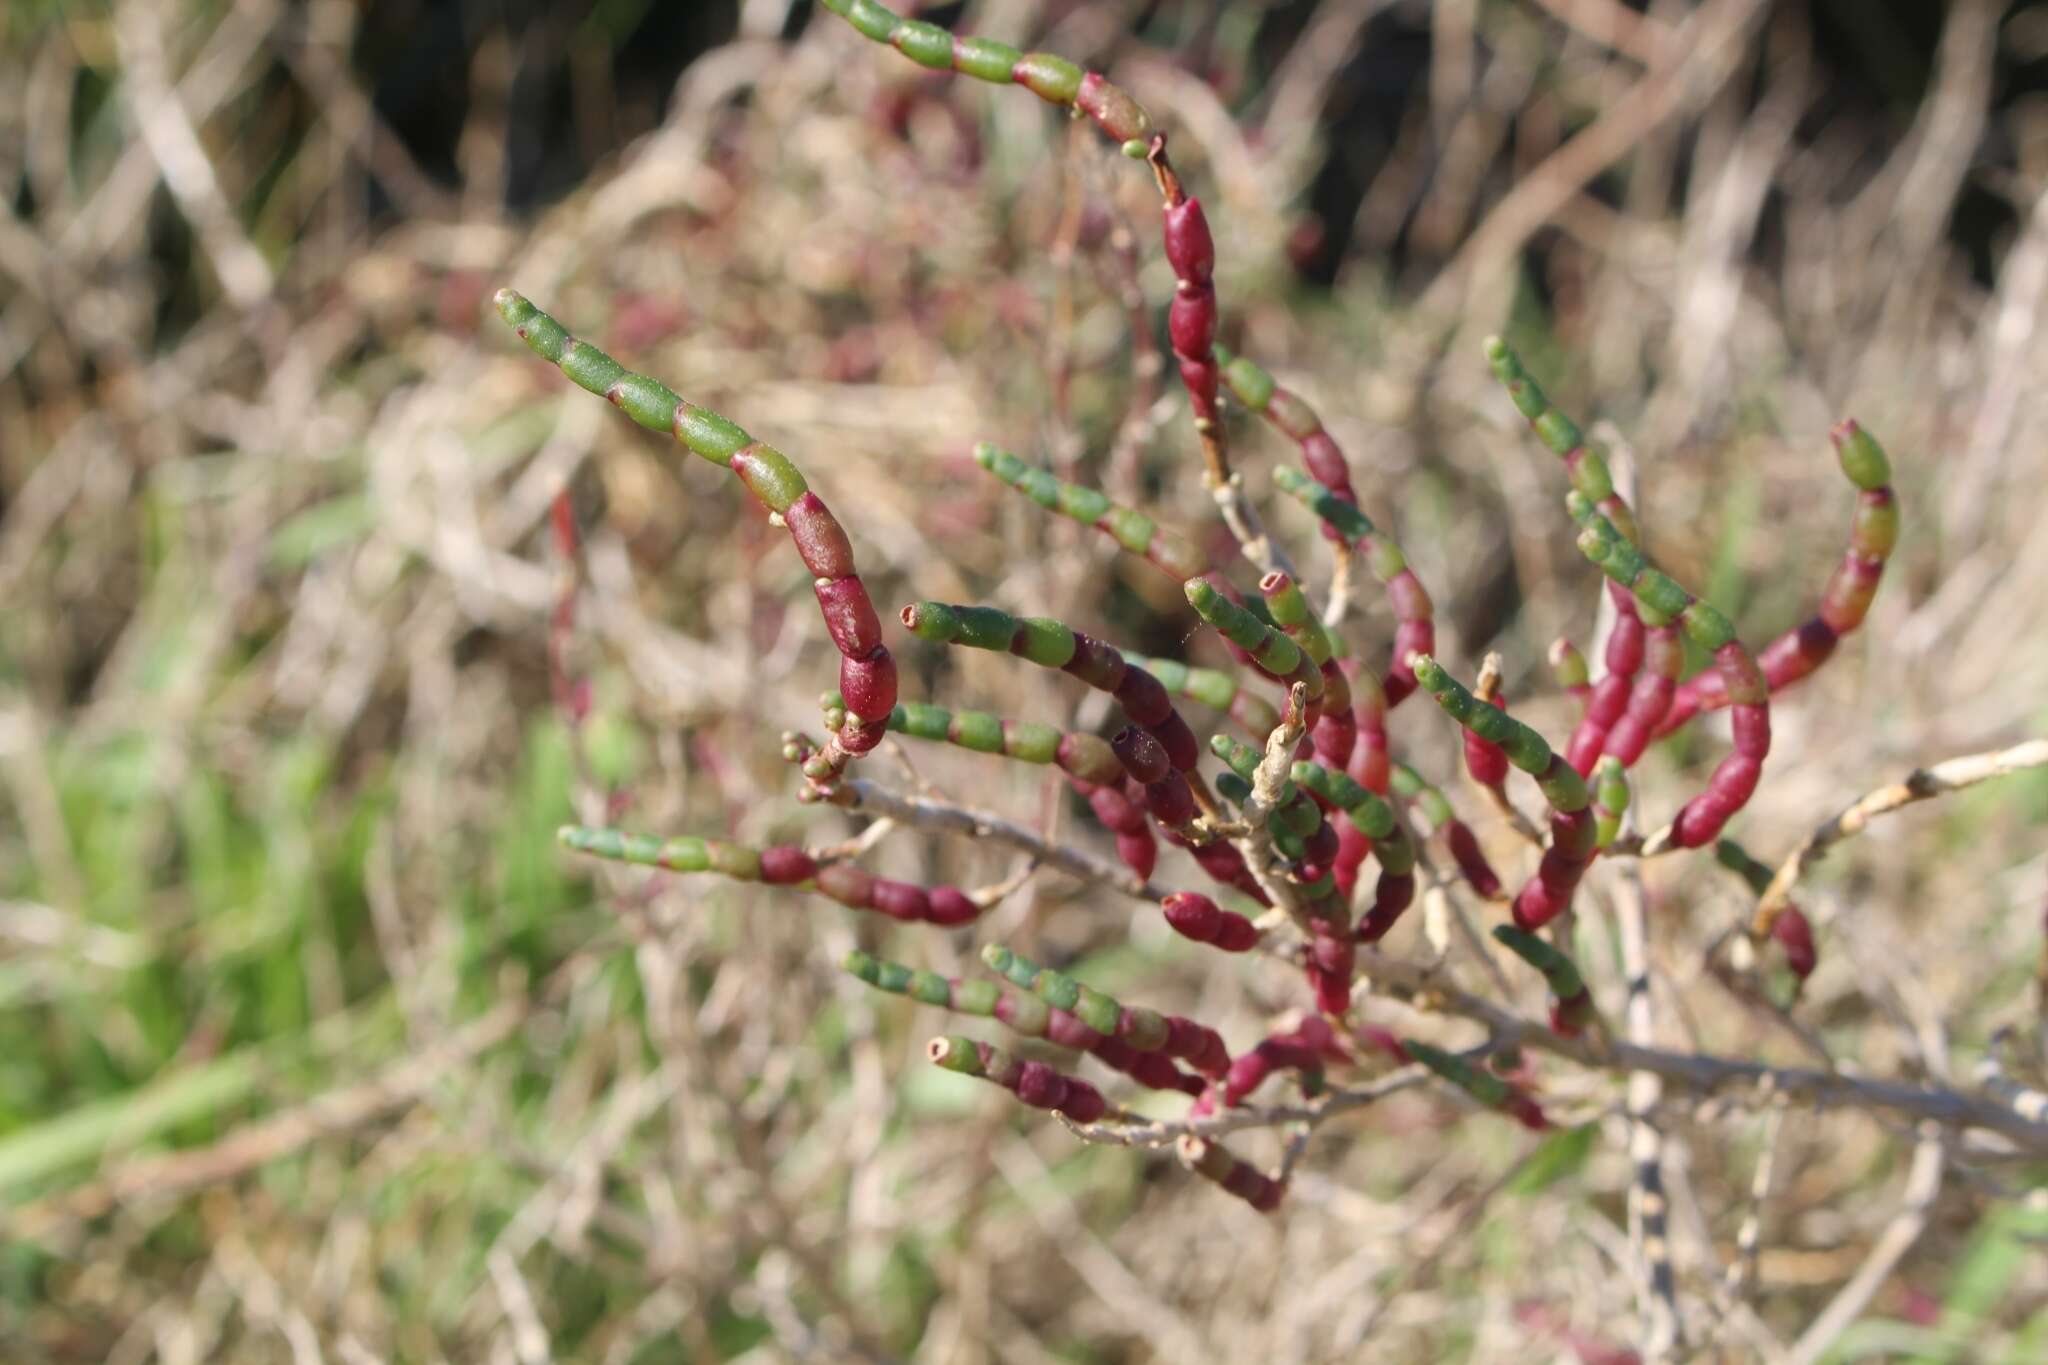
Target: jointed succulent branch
x,y
1548,894
1137,533
1662,601
1027,1015
1035,1083
1078,755
779,865
1215,689
1145,1030
1414,612
1849,592
867,673
1571,1004
1459,840
1489,1090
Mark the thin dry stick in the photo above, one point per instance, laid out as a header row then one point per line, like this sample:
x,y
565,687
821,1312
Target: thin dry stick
x,y
1648,1208
1166,1132
1741,1274
1923,1183
1919,785
1707,1074
928,812
1268,784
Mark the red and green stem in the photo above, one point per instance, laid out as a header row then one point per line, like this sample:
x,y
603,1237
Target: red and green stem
x,y
1734,779
1489,1090
1373,818
1571,1004
1135,532
1034,1083
1215,689
1324,459
779,865
1269,647
1214,1163
1303,1050
1077,755
1792,930
1414,612
1194,916
1144,1030
1459,840
1548,893
1850,589
1051,644
867,673
1026,1015
1336,730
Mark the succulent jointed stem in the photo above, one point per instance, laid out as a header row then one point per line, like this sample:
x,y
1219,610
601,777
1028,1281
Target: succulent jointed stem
x,y
867,673
1215,689
1026,1015
1610,799
1035,1083
1548,893
1571,1005
1790,928
1488,1089
1052,644
1135,532
1735,778
1414,612
779,865
1145,1030
1078,755
1269,647
1459,840
1850,589
1375,819
1336,730
1214,1163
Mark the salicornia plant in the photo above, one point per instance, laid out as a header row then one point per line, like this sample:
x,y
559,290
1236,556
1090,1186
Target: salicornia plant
x,y
1309,788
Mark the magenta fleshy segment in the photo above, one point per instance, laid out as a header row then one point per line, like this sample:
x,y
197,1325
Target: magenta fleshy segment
x,y
950,907
1199,377
1353,848
1728,791
1326,464
1794,933
1139,852
1320,847
858,736
819,538
1411,637
1391,895
1194,916
849,616
1039,1086
1191,322
1486,761
1143,697
1470,858
1170,800
1174,736
868,685
1190,249
1751,727
1099,665
1143,757
1116,113
899,900
1223,863
1548,894
786,865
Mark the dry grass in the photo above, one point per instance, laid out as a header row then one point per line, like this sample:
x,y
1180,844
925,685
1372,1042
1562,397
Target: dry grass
x,y
319,1049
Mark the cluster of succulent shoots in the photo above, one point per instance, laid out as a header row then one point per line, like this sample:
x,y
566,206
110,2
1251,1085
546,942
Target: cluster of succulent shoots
x,y
1309,789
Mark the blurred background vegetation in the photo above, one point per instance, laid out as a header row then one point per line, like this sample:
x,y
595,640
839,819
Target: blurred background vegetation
x,y
313,1047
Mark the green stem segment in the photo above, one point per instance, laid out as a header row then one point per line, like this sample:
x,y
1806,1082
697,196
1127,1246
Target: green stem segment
x,y
1052,644
1850,589
1035,1083
1145,1030
1610,799
779,865
1571,1004
1371,816
1547,894
1137,533
1414,612
1026,1015
1488,1089
1458,837
1077,755
1735,778
867,673
1053,79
